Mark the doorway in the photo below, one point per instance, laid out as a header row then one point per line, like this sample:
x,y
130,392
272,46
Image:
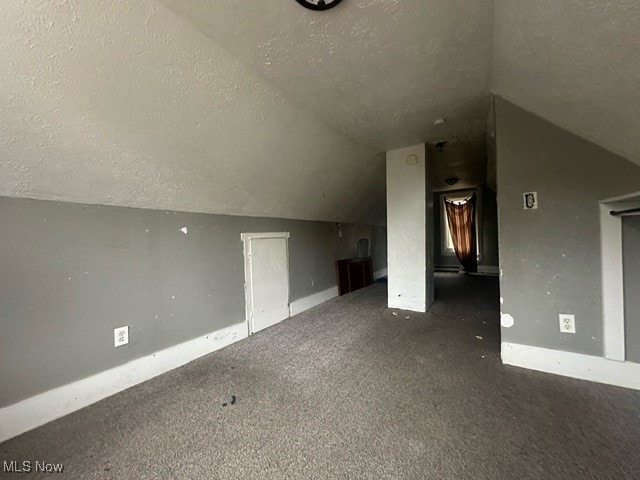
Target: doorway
x,y
631,282
614,278
266,273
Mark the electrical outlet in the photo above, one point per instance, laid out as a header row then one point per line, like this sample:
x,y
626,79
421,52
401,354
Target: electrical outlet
x,y
567,323
121,336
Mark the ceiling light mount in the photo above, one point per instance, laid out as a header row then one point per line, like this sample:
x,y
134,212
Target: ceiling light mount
x,y
318,4
440,145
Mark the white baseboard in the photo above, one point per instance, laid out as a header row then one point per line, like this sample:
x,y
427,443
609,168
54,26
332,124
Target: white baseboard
x,y
303,304
45,407
447,268
489,269
574,365
380,273
482,269
299,306
407,305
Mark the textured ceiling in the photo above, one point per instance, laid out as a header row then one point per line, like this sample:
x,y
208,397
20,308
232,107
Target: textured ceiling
x,y
466,161
265,108
120,102
382,71
575,63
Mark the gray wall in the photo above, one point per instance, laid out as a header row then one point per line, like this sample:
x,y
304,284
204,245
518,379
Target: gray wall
x,y
70,273
489,231
631,255
490,228
550,257
429,227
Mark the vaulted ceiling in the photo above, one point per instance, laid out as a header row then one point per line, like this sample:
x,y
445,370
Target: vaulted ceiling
x,y
575,63
380,71
266,108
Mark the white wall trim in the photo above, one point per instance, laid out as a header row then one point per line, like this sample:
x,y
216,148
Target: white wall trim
x,y
409,243
612,284
45,407
574,365
447,268
492,270
299,306
303,304
411,306
249,236
611,251
489,269
629,197
380,274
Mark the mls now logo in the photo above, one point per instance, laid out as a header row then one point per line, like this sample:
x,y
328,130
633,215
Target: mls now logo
x,y
27,466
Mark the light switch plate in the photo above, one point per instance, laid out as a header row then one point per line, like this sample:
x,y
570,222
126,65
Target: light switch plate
x,y
567,323
121,336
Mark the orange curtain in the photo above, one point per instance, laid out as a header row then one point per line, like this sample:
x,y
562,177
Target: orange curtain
x,y
462,224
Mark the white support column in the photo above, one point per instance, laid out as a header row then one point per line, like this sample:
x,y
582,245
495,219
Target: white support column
x,y
409,235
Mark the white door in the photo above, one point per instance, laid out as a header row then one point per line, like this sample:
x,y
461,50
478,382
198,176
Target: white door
x,y
266,257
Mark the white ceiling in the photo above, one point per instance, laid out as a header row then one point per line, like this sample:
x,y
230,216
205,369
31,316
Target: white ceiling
x,y
382,71
575,63
265,108
123,103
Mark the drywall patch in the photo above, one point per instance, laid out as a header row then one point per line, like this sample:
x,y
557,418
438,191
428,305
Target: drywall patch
x,y
506,320
303,304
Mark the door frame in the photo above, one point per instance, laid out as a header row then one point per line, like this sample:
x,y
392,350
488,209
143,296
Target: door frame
x,y
248,274
611,252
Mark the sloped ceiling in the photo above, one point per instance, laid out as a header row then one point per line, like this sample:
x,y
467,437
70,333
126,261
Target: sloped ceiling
x,y
382,71
575,63
265,108
121,102
256,108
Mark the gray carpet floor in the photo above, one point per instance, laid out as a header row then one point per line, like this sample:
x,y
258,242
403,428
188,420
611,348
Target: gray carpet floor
x,y
350,390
